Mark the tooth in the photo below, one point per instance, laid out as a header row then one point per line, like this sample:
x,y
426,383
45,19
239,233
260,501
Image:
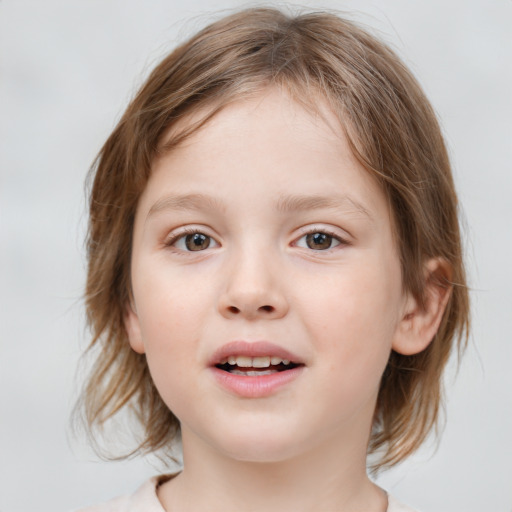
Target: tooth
x,y
261,362
243,361
286,361
232,360
252,373
275,360
224,361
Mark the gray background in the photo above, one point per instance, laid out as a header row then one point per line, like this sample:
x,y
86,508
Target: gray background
x,y
67,70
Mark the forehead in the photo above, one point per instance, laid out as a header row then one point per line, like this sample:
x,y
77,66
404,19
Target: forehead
x,y
267,143
284,98
257,115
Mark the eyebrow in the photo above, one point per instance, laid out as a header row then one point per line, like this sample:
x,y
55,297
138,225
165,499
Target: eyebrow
x,y
294,203
187,202
286,204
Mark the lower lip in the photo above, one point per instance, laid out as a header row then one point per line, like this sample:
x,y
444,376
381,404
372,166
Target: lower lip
x,y
256,387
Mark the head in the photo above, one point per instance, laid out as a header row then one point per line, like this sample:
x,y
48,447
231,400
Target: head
x,y
325,64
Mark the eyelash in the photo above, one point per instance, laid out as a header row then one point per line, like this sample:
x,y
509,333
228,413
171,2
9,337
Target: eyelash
x,y
182,235
323,231
191,231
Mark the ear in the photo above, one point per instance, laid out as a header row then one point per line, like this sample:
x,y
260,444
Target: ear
x,y
420,322
132,326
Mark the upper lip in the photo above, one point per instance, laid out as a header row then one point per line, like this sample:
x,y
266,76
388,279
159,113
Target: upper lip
x,y
252,349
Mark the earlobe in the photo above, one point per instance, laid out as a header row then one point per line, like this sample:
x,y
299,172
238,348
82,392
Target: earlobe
x,y
420,322
132,327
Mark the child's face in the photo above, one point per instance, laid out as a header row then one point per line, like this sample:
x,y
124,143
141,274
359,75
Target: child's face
x,y
262,227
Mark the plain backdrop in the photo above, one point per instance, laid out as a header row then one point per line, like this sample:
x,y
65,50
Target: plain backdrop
x,y
67,71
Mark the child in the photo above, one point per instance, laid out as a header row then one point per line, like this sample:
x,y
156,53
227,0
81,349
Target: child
x,y
275,271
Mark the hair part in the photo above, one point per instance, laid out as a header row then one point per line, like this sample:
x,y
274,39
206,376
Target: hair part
x,y
392,131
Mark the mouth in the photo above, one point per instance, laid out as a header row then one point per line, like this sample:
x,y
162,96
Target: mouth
x,y
259,366
255,369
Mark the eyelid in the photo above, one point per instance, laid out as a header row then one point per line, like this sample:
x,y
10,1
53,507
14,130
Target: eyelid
x,y
179,233
310,229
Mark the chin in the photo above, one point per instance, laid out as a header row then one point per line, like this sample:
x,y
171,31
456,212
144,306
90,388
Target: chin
x,y
261,446
251,436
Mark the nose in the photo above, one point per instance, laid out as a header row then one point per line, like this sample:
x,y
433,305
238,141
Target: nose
x,y
253,290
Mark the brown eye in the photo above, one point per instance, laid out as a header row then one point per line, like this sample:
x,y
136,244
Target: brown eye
x,y
319,241
197,242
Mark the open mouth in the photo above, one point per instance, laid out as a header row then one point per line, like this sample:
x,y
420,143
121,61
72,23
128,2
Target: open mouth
x,y
256,366
255,369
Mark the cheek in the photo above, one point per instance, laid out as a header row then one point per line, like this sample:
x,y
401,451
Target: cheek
x,y
169,337
168,329
362,300
166,300
354,322
174,310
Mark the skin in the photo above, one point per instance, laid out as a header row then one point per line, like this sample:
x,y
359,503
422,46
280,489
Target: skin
x,y
341,309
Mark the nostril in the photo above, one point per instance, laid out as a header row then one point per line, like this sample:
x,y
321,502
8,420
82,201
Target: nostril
x,y
234,310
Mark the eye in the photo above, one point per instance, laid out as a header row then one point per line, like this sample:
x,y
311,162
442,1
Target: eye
x,y
318,241
192,241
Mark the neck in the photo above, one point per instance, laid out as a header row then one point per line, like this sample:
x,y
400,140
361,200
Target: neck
x,y
325,478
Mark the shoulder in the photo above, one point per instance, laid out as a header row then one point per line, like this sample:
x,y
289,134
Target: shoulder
x,y
395,506
119,504
144,499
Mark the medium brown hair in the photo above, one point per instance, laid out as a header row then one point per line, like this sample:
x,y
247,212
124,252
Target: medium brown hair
x,y
393,132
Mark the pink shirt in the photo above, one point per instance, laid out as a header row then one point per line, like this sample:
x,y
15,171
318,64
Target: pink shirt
x,y
145,499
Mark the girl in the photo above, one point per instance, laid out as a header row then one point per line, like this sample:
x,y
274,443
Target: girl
x,y
275,271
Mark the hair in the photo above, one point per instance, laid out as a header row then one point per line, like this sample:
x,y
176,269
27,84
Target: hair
x,y
392,131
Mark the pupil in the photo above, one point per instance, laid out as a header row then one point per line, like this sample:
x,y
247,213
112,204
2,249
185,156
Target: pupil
x,y
318,241
197,242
